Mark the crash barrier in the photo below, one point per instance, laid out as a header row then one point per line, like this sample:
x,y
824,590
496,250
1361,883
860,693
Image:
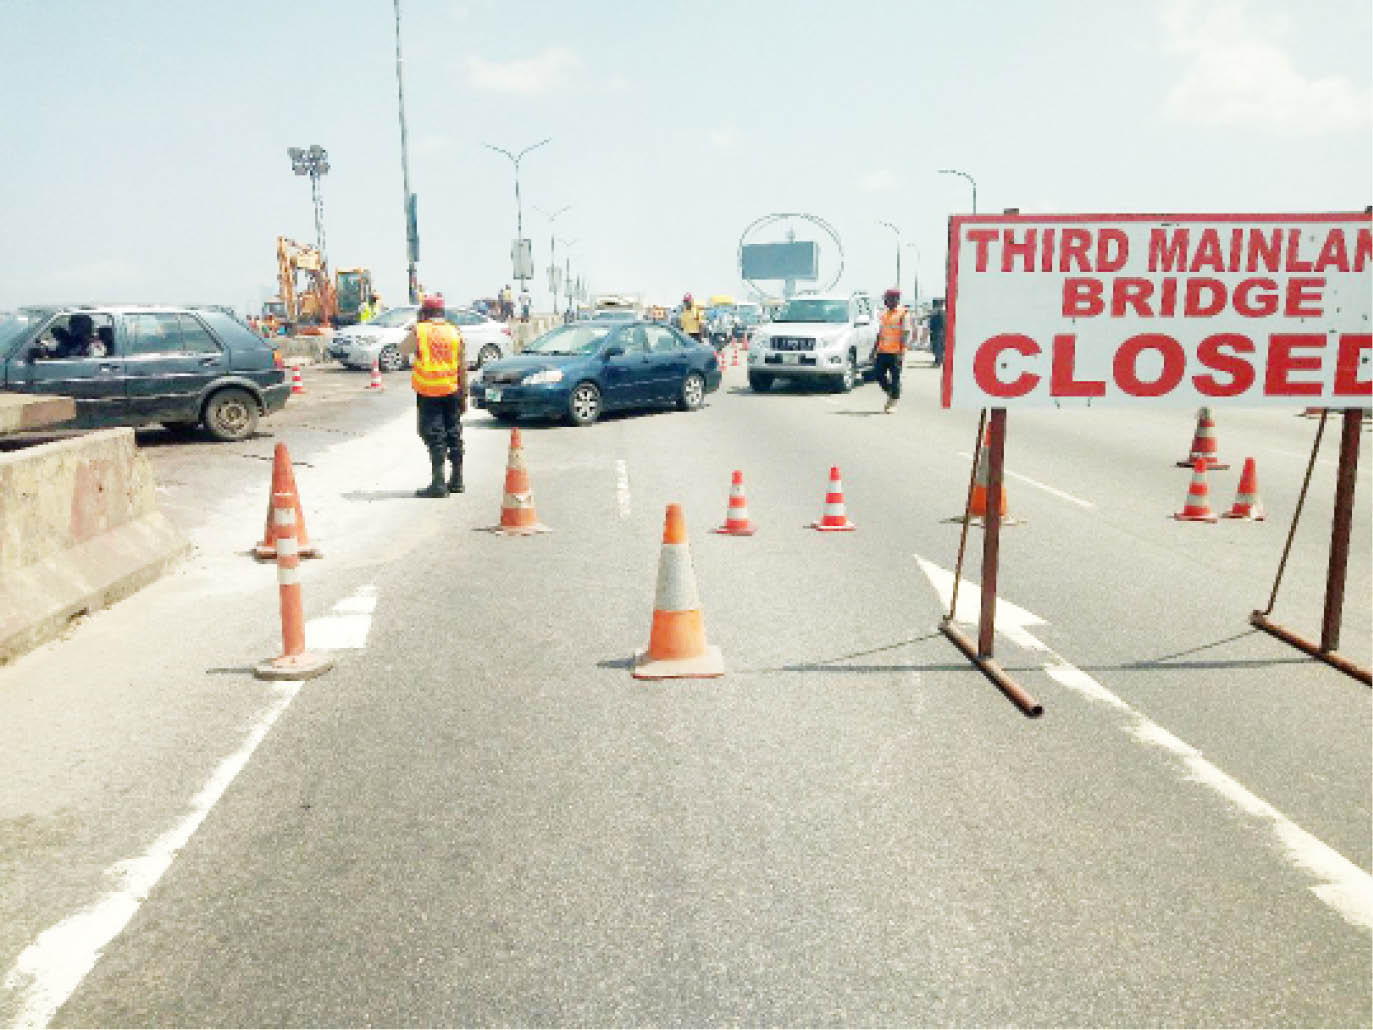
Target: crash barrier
x,y
677,647
294,662
284,482
518,517
79,530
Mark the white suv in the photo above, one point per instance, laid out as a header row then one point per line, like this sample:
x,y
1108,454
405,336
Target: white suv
x,y
815,334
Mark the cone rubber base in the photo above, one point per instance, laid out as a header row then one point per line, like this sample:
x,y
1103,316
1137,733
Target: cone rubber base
x,y
705,666
533,530
1209,465
305,666
1195,518
726,531
847,527
270,553
1258,517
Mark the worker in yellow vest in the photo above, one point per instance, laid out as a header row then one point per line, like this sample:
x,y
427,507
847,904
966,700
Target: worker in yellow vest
x,y
369,308
692,318
893,337
439,378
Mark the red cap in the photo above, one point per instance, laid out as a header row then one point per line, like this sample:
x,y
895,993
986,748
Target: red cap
x,y
432,302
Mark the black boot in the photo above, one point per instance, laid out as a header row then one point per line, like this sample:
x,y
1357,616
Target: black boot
x,y
455,480
436,486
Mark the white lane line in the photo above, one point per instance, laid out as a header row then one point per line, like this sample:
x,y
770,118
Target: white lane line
x,y
347,626
53,966
622,487
1345,887
1042,486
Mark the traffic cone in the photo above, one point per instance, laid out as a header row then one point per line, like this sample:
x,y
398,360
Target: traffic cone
x,y
677,647
734,363
1198,505
294,662
517,505
736,518
1204,443
297,381
977,505
376,383
1247,504
284,481
835,519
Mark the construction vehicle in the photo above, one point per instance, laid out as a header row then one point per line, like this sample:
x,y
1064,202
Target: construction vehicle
x,y
310,303
352,288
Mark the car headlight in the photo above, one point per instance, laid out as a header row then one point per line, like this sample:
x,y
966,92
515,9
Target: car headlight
x,y
548,375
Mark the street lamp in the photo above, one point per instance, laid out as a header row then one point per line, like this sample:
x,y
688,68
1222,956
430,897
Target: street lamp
x,y
313,162
552,248
519,211
567,275
915,276
898,249
412,242
955,171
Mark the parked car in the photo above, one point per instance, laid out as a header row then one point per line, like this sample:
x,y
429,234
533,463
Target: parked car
x,y
137,365
577,371
357,346
830,336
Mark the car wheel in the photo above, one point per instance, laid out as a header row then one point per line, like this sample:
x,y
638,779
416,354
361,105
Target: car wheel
x,y
584,406
488,353
389,360
693,392
231,415
844,382
760,381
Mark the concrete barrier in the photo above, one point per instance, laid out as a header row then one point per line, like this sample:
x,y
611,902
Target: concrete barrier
x,y
79,529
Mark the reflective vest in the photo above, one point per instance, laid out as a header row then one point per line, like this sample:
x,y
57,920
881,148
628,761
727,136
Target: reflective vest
x,y
691,319
893,325
437,370
365,313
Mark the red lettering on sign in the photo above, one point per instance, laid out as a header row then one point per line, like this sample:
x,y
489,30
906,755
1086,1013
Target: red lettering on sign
x,y
983,239
1299,292
1127,357
1134,292
1061,381
1193,305
1240,371
1074,248
1168,251
1208,253
1363,250
1046,258
1268,248
1267,302
1082,298
1294,264
1010,250
1347,382
1277,381
1333,253
985,371
1112,250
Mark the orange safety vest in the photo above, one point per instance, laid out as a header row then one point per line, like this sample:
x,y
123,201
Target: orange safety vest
x,y
437,371
893,325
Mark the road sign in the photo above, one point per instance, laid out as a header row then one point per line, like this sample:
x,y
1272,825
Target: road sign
x,y
1182,310
779,260
412,232
521,259
555,278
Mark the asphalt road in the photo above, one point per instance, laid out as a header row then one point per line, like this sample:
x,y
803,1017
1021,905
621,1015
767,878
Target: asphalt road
x,y
479,818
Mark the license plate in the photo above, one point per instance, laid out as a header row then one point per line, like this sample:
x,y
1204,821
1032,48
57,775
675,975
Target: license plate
x,y
789,358
493,395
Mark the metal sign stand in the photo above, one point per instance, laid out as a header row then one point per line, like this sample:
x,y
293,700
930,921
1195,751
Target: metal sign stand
x,y
1327,650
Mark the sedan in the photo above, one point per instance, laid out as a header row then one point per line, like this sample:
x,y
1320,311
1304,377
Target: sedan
x,y
379,340
577,371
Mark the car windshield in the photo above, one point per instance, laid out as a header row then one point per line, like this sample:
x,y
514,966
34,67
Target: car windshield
x,y
394,318
15,327
613,313
811,309
569,339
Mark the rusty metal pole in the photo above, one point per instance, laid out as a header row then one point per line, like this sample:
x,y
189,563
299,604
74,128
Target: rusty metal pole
x,y
991,539
1339,531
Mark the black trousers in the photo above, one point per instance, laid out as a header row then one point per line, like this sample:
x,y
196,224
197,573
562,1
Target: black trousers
x,y
937,347
439,422
888,370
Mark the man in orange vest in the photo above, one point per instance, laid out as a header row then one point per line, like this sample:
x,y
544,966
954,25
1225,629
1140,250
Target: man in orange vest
x,y
893,337
439,377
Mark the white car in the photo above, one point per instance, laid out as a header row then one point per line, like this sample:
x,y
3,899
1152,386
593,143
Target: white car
x,y
357,346
830,336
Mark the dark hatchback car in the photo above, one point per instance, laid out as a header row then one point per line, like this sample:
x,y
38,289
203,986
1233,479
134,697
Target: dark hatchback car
x,y
132,366
578,371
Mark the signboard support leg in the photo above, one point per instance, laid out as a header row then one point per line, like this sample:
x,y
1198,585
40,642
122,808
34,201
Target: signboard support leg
x,y
1346,477
981,654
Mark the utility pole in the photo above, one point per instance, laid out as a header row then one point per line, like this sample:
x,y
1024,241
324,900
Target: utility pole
x,y
412,242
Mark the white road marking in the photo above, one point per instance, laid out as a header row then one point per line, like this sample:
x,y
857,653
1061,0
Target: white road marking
x,y
347,626
53,966
622,487
1034,482
1345,887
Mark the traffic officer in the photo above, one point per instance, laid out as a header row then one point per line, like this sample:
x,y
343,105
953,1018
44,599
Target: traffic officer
x,y
691,318
893,337
369,308
439,377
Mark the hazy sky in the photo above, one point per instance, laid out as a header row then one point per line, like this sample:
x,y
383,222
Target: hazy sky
x,y
146,156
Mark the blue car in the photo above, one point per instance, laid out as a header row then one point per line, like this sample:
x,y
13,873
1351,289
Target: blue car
x,y
577,371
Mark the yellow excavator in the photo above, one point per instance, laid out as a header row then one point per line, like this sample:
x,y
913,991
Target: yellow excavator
x,y
307,299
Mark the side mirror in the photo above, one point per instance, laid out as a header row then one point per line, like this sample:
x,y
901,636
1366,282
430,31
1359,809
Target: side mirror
x,y
613,351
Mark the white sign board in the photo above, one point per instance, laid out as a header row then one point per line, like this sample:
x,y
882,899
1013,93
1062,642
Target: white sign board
x,y
521,259
1181,310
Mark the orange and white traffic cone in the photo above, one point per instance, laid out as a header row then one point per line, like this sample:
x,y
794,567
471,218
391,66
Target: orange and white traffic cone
x,y
1247,504
284,481
297,380
677,647
1204,443
517,504
736,518
294,662
835,519
376,383
734,363
1198,505
977,504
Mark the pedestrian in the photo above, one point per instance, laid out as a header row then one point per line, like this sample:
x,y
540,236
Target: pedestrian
x,y
525,302
893,337
507,303
369,308
439,379
691,319
936,324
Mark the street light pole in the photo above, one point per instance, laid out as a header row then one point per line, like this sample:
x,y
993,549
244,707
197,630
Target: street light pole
x,y
314,162
567,275
955,171
898,250
915,276
519,210
411,231
552,248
